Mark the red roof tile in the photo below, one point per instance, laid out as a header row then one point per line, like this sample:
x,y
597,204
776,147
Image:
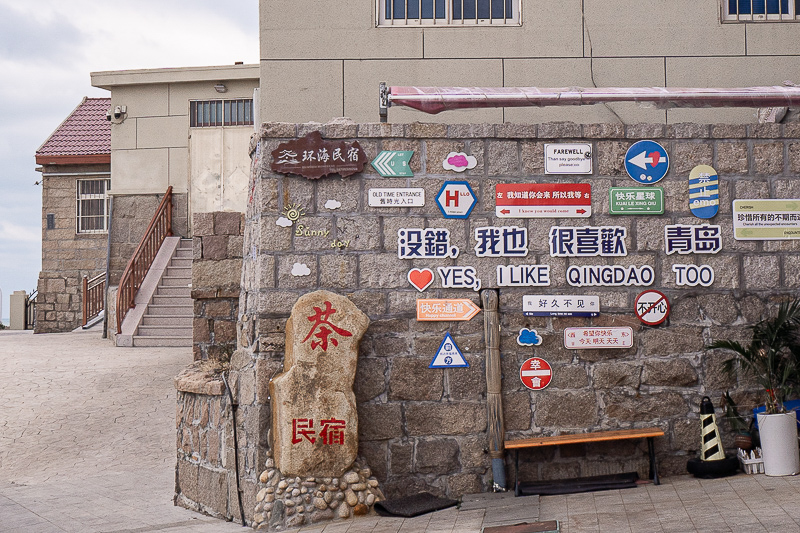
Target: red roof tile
x,y
85,132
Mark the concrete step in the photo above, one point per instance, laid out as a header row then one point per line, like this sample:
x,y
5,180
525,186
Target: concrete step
x,y
178,271
162,341
182,253
181,262
170,310
163,299
174,291
181,321
163,331
174,281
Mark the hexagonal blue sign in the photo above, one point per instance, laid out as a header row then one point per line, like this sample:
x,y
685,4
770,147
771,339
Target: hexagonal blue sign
x,y
456,199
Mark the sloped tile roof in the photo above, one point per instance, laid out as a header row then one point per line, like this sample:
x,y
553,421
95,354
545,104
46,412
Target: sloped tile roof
x,y
85,132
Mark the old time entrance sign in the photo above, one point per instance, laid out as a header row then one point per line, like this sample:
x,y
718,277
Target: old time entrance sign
x,y
312,157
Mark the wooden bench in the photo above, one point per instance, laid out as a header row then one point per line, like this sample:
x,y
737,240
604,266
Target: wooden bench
x,y
577,438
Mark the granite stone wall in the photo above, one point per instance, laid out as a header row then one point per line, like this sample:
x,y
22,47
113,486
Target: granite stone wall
x,y
425,429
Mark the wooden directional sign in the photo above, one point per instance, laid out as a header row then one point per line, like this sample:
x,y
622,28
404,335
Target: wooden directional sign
x,y
446,310
392,163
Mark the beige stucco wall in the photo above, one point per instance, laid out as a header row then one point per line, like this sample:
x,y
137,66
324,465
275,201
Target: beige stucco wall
x,y
320,60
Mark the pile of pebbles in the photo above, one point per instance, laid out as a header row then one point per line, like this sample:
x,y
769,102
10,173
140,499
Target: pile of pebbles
x,y
293,502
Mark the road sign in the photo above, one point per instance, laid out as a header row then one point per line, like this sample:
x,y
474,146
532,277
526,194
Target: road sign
x,y
703,191
567,158
559,305
456,199
594,338
397,197
646,162
393,163
536,373
454,310
651,307
764,220
636,201
448,355
543,200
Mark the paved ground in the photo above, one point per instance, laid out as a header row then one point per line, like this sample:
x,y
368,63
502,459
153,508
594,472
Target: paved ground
x,y
87,440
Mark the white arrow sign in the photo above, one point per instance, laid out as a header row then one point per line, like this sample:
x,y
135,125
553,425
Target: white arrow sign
x,y
642,160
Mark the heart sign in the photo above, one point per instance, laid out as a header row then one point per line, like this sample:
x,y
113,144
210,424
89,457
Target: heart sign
x,y
420,278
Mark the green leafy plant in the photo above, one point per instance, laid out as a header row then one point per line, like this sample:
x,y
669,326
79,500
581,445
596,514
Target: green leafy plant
x,y
736,420
772,357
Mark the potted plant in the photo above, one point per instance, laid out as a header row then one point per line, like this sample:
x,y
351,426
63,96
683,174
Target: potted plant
x,y
742,438
772,358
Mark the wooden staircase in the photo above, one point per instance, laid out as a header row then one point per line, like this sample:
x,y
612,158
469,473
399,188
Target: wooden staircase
x,y
167,320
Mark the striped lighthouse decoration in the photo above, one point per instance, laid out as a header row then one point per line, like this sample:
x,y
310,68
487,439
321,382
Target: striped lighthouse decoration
x,y
712,444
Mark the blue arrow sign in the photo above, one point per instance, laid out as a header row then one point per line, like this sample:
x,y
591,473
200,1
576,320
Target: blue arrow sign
x,y
646,162
391,163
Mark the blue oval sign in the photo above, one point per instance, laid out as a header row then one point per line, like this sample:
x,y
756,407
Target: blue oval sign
x,y
703,191
646,162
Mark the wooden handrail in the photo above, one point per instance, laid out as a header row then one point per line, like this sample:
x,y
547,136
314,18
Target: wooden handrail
x,y
160,228
93,296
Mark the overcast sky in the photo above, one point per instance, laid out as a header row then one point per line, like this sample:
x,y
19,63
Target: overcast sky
x,y
47,50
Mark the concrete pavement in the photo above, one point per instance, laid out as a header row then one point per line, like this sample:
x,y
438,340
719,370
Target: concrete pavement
x,y
87,444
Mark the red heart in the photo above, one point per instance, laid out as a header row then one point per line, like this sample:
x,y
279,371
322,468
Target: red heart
x,y
420,278
655,156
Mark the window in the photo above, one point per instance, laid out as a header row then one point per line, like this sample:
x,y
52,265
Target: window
x,y
207,113
448,12
92,208
760,10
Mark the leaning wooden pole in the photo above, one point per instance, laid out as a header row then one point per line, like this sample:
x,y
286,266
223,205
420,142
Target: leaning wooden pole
x,y
494,399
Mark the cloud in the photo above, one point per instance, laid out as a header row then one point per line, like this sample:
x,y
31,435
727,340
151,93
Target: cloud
x,y
333,204
529,337
299,269
459,161
15,233
283,222
44,38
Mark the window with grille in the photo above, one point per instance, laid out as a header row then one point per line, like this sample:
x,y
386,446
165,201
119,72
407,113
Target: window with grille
x,y
92,206
207,113
448,12
760,10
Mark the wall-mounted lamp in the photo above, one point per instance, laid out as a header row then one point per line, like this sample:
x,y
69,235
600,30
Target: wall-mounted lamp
x,y
220,88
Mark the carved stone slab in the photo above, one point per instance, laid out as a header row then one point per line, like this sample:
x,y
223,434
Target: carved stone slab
x,y
313,157
314,418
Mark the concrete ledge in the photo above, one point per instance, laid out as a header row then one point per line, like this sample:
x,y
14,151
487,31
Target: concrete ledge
x,y
201,377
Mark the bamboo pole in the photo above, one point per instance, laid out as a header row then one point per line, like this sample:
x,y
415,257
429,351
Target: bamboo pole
x,y
494,399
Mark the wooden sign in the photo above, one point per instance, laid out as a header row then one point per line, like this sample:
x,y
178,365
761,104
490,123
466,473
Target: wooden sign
x,y
446,310
312,157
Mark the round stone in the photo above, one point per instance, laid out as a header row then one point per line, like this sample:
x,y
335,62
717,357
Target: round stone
x,y
372,482
264,477
334,504
269,498
289,503
340,496
334,481
328,496
295,493
320,504
343,485
360,510
270,463
270,490
370,500
261,495
351,498
351,477
303,490
322,488
366,472
283,484
358,486
343,511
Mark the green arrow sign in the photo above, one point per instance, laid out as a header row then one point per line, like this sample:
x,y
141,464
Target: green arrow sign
x,y
393,163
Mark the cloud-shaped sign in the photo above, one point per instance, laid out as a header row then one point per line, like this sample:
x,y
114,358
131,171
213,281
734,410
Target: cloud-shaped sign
x,y
529,337
283,222
300,269
333,204
459,161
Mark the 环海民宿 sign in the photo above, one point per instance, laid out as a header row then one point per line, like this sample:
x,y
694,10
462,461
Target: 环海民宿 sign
x,y
567,158
594,338
636,201
313,157
764,220
559,305
397,197
543,200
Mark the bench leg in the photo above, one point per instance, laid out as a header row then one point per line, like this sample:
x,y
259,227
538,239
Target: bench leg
x,y
516,472
653,466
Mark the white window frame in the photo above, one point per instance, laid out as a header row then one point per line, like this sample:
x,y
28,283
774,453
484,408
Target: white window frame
x,y
79,216
792,16
446,22
225,119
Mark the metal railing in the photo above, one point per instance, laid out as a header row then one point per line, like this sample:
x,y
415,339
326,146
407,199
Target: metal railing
x,y
30,310
160,228
94,291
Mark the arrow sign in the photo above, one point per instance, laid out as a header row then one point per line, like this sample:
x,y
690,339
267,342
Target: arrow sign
x,y
646,162
391,163
446,310
644,159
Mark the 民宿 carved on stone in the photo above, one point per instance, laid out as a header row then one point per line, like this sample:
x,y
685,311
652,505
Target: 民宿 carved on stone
x,y
314,419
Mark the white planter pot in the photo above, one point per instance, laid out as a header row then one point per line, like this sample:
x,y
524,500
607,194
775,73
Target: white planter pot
x,y
779,443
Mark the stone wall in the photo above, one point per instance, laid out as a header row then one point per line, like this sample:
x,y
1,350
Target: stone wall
x,y
67,256
216,278
425,429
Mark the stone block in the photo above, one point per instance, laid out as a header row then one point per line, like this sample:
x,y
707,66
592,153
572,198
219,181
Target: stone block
x,y
645,131
200,330
470,131
559,130
794,158
337,271
517,411
532,154
731,158
714,376
360,233
465,483
503,158
729,131
436,153
411,379
760,272
566,409
765,131
213,490
687,155
604,131
377,129
381,271
688,130
614,375
224,331
187,479
675,340
202,224
277,129
636,407
610,157
235,246
509,130
669,373
224,273
341,130
420,130
458,418
215,247
436,456
467,383
768,158
379,421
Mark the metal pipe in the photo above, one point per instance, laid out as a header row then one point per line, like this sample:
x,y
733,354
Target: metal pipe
x,y
437,99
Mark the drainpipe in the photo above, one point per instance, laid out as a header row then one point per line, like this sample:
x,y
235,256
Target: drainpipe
x,y
494,399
